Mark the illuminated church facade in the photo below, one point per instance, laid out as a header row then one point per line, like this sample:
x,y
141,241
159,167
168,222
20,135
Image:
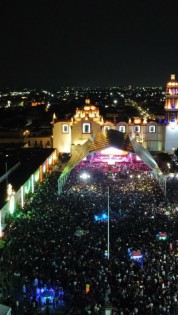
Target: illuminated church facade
x,y
153,136
171,115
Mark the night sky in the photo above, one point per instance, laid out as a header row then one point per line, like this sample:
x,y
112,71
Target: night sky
x,y
53,43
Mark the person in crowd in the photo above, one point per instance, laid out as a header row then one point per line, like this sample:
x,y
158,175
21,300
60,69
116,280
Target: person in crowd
x,y
56,244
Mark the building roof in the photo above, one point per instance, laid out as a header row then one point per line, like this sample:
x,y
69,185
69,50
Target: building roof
x,y
5,310
30,159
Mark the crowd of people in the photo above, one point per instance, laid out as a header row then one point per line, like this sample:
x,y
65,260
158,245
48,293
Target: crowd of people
x,y
55,242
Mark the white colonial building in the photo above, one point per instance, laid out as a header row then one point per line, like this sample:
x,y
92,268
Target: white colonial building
x,y
152,135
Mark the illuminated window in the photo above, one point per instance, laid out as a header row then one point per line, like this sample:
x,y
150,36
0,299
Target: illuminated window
x,y
173,105
106,127
152,128
27,187
172,117
122,129
86,128
12,204
37,176
50,160
65,128
136,128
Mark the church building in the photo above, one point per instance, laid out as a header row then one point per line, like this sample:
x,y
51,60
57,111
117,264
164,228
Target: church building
x,y
152,135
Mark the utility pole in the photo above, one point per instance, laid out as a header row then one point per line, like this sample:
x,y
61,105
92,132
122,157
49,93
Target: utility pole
x,y
6,170
108,238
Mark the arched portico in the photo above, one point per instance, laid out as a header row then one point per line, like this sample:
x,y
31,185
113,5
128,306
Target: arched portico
x,y
103,140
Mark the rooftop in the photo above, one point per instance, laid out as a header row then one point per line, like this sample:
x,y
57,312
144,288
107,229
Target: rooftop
x,y
29,160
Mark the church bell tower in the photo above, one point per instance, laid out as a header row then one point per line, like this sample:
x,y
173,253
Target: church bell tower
x,y
171,102
171,115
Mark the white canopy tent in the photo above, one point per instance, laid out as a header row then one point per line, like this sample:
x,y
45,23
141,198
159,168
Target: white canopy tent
x,y
5,310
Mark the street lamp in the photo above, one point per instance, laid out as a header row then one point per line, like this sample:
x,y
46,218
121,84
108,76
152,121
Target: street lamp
x,y
108,238
108,308
165,184
165,178
6,170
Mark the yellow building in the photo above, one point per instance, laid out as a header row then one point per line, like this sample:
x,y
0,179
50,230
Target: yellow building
x,y
87,121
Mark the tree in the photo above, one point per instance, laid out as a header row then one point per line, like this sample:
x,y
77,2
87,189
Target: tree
x,y
164,162
176,152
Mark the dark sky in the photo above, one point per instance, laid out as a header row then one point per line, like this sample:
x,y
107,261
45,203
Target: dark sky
x,y
53,43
